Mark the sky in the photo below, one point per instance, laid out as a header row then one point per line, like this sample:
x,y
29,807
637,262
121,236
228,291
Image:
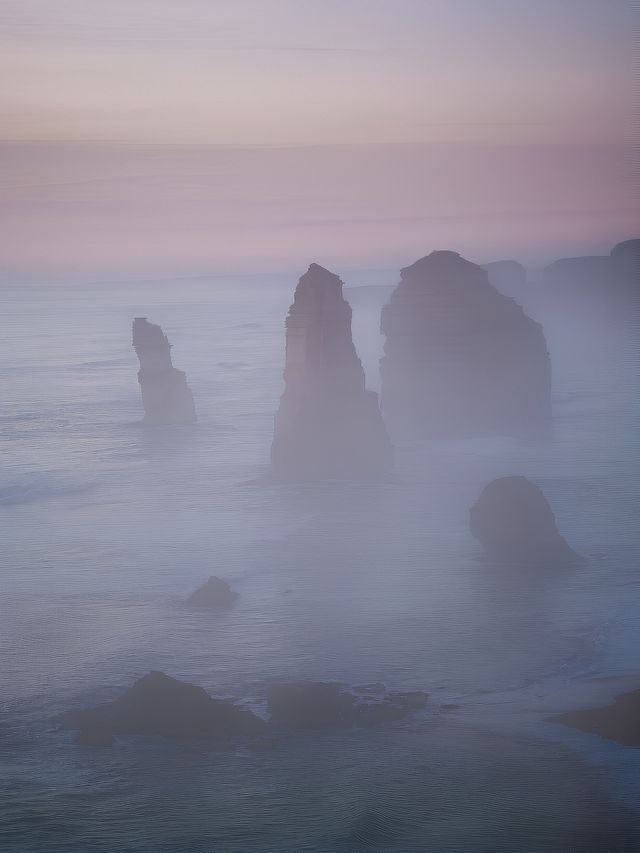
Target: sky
x,y
220,135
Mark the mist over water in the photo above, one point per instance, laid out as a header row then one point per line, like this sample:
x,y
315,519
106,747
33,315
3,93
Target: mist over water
x,y
108,526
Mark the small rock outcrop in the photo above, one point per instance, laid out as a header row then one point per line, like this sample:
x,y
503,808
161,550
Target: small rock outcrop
x,y
319,705
166,397
160,706
514,523
461,359
619,721
215,594
328,425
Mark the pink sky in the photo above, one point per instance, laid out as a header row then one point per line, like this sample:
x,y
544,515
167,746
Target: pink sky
x,y
178,135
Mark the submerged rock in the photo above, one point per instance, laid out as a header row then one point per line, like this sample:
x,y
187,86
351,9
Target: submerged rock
x,y
515,524
160,706
460,358
166,396
319,705
619,721
215,593
328,425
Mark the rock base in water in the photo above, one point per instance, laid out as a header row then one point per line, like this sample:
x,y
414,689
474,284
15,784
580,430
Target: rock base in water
x,y
166,396
319,705
515,524
328,426
215,594
160,706
619,722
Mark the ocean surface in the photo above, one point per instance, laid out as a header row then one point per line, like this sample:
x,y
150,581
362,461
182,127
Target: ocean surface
x,y
106,526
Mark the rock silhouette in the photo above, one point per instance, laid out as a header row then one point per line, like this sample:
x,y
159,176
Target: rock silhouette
x,y
319,705
328,425
619,721
215,594
600,282
459,357
515,524
166,396
160,706
508,278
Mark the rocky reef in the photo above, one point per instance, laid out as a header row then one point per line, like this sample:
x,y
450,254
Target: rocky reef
x,y
619,721
166,396
319,705
461,359
514,523
215,594
160,706
328,425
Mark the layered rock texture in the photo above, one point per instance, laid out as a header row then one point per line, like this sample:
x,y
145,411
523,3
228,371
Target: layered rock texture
x,y
514,523
215,594
328,425
166,396
619,721
160,706
460,358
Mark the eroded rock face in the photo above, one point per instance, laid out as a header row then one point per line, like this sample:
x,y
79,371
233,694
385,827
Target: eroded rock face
x,y
320,705
328,425
514,523
166,396
215,594
619,721
160,706
461,359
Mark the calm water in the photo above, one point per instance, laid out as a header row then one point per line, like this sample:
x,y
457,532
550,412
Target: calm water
x,y
107,526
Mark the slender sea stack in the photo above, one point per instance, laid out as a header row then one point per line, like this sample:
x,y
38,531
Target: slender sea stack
x,y
461,359
328,425
166,396
514,523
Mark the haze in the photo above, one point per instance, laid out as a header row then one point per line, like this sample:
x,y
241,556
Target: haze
x,y
182,137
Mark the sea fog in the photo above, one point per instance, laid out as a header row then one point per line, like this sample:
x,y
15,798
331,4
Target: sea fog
x,y
107,527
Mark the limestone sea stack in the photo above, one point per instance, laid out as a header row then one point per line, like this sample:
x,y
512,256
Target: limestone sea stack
x,y
166,396
460,358
514,523
328,425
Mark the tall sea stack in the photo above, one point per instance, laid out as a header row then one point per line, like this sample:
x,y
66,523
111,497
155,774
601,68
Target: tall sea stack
x,y
328,425
461,359
166,396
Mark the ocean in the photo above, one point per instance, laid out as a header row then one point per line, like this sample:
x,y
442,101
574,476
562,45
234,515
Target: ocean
x,y
107,526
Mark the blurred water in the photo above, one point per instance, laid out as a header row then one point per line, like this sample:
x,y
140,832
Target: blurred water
x,y
107,526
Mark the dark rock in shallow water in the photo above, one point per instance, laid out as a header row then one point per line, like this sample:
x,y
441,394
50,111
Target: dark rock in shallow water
x,y
461,359
515,524
319,705
328,425
166,396
619,722
215,593
160,706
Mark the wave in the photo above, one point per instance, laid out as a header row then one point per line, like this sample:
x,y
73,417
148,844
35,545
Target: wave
x,y
33,487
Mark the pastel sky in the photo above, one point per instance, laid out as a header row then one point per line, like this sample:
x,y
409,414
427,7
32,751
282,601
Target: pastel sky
x,y
185,135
